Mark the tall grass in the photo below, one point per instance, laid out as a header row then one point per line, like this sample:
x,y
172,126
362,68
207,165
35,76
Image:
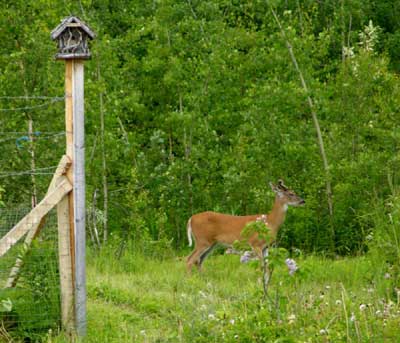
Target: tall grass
x,y
141,299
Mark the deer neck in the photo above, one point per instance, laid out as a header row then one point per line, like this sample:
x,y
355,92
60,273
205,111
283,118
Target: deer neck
x,y
277,215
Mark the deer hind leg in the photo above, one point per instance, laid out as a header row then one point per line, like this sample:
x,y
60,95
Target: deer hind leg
x,y
195,257
204,255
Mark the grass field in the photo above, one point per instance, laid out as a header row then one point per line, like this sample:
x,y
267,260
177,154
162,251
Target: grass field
x,y
138,299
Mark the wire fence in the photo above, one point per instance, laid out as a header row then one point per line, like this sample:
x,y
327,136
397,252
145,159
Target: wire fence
x,y
48,102
29,263
29,277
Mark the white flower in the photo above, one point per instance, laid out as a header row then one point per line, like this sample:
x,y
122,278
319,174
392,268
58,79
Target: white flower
x,y
232,321
291,318
323,332
143,332
353,317
363,307
387,276
202,294
338,302
211,316
263,218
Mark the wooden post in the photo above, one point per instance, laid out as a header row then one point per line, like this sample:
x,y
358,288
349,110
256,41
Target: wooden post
x,y
74,118
78,195
72,36
36,228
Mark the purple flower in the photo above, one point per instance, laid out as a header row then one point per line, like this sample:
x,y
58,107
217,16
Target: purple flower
x,y
246,257
292,266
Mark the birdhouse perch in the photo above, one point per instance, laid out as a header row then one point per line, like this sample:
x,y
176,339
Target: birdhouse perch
x,y
72,36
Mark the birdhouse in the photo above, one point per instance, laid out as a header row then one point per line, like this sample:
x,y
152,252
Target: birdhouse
x,y
72,36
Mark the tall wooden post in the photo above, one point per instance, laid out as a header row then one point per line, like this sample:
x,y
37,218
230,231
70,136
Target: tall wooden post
x,y
72,36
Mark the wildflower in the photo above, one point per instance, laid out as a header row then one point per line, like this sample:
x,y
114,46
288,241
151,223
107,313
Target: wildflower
x,y
353,317
386,309
378,313
327,287
263,219
292,266
338,302
232,321
291,318
202,294
363,307
143,332
211,316
323,332
236,336
246,257
387,276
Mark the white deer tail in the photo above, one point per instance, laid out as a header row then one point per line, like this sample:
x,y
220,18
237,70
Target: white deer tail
x,y
189,231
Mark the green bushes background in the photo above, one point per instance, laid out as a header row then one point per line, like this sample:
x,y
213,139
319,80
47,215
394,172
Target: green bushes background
x,y
203,107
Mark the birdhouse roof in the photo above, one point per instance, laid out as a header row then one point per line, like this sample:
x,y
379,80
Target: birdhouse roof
x,y
71,21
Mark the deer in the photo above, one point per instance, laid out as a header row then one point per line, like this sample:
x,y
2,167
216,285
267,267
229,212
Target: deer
x,y
212,228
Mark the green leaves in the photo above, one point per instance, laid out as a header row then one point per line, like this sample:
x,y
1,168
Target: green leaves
x,y
202,108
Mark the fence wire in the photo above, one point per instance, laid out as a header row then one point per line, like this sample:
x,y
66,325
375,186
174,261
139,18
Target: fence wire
x,y
31,307
49,101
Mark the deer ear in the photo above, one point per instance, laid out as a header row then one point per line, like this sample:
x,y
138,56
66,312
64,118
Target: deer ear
x,y
273,187
281,185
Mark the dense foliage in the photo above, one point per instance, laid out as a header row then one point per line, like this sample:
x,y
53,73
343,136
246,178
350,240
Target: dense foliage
x,y
202,107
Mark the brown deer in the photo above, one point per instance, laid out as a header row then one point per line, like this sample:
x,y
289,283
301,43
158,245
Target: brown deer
x,y
211,228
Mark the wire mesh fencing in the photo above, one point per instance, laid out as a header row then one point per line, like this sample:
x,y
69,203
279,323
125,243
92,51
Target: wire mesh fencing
x,y
29,277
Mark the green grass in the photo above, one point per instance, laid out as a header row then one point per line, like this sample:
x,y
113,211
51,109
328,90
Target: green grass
x,y
135,299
